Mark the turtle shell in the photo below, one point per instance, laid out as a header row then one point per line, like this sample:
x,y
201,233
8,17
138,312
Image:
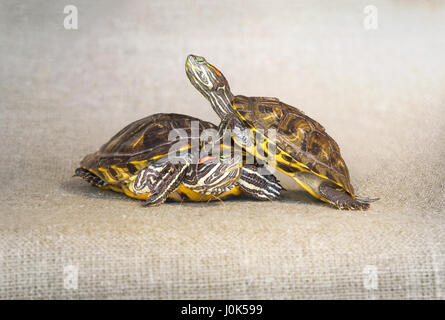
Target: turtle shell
x,y
140,142
301,142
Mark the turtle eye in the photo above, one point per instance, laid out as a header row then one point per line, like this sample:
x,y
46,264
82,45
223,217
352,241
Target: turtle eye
x,y
200,60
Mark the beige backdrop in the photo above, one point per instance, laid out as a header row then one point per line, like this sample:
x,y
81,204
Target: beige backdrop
x,y
379,93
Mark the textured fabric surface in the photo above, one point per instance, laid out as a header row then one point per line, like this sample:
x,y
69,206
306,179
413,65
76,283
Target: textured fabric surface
x,y
379,93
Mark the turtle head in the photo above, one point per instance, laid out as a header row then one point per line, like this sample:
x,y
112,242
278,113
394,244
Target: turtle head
x,y
211,83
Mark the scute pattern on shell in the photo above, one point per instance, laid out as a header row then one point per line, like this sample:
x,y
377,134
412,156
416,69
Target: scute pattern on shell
x,y
142,140
302,138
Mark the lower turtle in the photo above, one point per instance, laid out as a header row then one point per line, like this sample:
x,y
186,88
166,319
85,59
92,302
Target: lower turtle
x,y
279,135
149,159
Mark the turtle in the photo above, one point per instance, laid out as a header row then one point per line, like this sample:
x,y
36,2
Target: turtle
x,y
280,135
154,159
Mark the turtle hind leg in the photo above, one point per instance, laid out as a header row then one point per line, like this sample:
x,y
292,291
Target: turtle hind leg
x,y
90,177
342,199
260,185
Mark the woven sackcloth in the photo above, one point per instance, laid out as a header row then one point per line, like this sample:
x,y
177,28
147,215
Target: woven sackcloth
x,y
379,93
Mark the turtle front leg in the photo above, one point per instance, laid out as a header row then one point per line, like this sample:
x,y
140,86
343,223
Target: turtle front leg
x,y
260,185
159,179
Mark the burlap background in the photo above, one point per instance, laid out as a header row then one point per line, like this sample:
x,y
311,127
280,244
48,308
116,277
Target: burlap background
x,y
379,93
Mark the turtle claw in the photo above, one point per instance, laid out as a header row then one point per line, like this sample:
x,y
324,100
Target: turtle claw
x,y
343,200
89,177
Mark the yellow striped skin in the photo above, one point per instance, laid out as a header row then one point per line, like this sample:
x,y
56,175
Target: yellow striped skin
x,y
181,194
121,182
184,193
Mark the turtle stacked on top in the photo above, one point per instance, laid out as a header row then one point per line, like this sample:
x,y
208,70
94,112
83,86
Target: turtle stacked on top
x,y
280,135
